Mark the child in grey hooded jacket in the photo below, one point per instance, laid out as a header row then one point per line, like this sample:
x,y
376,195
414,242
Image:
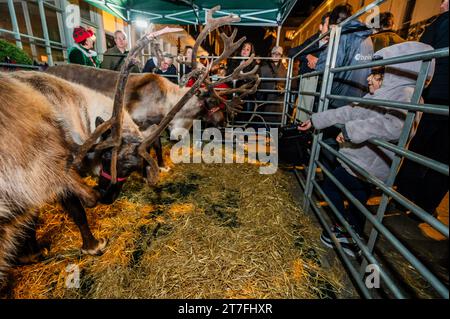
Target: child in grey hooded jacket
x,y
362,123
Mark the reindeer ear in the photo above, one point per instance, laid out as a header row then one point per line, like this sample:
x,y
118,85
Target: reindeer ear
x,y
100,121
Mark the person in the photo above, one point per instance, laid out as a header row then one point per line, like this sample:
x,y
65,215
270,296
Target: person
x,y
308,61
247,50
385,35
359,124
275,69
424,186
167,68
186,67
114,58
151,65
82,52
355,47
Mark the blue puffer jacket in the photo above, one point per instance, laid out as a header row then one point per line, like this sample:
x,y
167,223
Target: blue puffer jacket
x,y
355,47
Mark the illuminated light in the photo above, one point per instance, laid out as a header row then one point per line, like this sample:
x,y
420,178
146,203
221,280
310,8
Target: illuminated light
x,y
143,24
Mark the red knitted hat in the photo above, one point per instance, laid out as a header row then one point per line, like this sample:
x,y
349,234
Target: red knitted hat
x,y
80,34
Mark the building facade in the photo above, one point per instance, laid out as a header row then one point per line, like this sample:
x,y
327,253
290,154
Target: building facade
x,y
411,18
43,28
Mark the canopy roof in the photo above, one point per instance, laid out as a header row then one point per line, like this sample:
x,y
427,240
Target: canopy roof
x,y
252,12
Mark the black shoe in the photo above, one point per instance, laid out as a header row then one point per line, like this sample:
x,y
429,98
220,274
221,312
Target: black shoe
x,y
344,238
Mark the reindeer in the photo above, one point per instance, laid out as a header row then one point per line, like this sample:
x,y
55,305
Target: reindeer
x,y
149,97
34,161
48,128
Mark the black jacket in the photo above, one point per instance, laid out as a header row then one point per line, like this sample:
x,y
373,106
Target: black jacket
x,y
149,66
436,35
314,50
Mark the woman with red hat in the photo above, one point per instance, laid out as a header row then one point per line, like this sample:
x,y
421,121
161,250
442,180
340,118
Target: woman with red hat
x,y
81,52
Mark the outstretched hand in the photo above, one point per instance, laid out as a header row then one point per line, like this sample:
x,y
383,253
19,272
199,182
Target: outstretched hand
x,y
340,138
305,126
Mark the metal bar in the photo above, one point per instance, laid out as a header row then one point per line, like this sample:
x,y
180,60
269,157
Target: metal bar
x,y
366,252
312,74
354,273
31,37
15,25
311,44
287,95
309,93
362,12
288,11
420,159
305,110
402,142
26,15
419,212
434,54
426,108
327,82
420,267
261,113
129,29
48,49
22,66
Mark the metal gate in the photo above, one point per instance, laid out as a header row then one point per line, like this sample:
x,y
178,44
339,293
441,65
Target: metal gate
x,y
313,191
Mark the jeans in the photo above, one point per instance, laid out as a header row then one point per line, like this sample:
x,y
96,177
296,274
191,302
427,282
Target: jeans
x,y
357,187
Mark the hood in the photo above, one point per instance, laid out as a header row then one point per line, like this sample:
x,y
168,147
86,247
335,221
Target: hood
x,y
357,28
404,74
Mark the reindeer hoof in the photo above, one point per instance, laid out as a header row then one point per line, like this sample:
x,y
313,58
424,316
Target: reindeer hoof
x,y
152,176
29,259
164,169
98,250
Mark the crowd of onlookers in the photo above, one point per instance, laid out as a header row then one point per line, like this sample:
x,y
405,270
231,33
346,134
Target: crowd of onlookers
x,y
346,128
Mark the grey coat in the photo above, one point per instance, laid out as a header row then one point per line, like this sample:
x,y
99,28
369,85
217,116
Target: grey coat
x,y
363,123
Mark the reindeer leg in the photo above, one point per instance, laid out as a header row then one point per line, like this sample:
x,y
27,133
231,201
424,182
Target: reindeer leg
x,y
30,251
12,224
91,246
88,195
157,146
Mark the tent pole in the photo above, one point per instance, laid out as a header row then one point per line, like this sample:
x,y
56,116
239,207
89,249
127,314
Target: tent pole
x,y
129,28
278,35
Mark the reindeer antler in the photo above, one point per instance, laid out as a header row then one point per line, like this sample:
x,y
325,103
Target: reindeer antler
x,y
199,74
235,104
116,121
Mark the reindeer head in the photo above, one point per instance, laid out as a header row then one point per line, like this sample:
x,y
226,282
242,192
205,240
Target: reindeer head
x,y
196,92
221,101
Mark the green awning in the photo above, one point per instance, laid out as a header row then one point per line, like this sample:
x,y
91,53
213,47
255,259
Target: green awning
x,y
252,12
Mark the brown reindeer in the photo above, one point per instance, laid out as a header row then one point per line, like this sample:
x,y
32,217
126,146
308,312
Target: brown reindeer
x,y
149,97
34,159
47,127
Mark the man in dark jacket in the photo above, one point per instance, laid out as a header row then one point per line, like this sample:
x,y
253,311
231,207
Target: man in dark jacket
x,y
355,47
166,68
113,58
306,58
424,186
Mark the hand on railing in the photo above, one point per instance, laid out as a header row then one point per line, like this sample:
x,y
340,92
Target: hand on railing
x,y
306,126
340,138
